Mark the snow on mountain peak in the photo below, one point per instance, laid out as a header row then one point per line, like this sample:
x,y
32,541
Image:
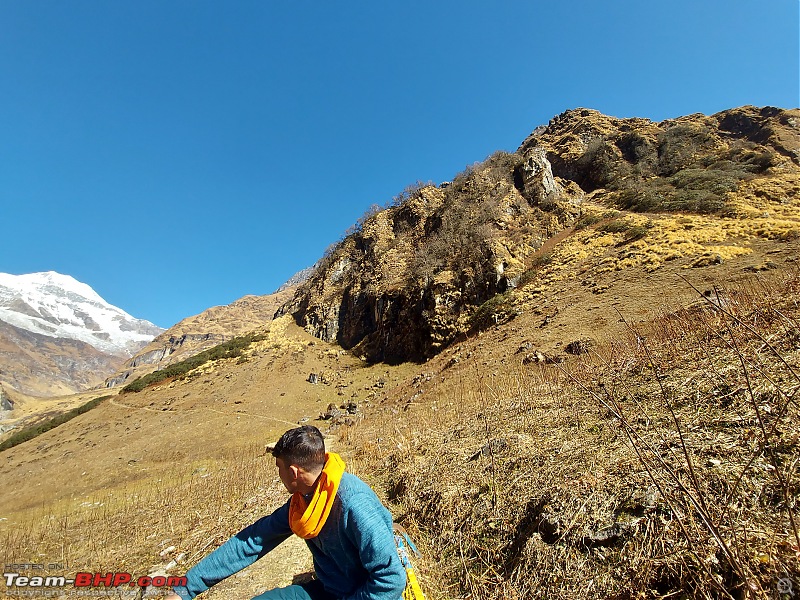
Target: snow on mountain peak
x,y
60,306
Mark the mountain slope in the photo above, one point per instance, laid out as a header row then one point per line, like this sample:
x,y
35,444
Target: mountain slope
x,y
42,365
57,336
59,306
616,421
525,448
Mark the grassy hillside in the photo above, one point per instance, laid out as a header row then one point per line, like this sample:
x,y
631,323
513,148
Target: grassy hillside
x,y
664,460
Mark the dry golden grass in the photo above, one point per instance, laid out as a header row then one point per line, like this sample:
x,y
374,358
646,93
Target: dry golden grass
x,y
697,240
664,462
165,524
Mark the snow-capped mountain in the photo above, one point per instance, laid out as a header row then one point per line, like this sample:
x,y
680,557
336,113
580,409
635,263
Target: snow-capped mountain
x,y
59,306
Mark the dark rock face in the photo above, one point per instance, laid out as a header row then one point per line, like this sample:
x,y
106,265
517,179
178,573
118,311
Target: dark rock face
x,y
389,328
386,327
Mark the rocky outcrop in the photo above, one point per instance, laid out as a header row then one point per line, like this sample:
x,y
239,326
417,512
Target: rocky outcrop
x,y
151,357
173,344
768,126
406,283
5,402
536,176
296,279
160,356
412,278
636,156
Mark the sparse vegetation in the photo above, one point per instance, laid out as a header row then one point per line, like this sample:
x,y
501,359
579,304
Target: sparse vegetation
x,y
458,234
231,349
635,232
410,191
686,167
458,242
540,261
497,309
587,220
615,226
29,433
500,165
697,190
680,145
631,231
197,501
599,166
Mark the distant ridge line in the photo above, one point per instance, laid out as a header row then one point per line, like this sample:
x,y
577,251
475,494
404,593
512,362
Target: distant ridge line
x,y
297,278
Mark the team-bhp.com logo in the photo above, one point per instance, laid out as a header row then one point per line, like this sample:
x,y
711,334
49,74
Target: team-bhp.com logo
x,y
90,580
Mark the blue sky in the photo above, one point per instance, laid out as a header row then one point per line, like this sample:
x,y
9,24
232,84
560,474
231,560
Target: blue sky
x,y
177,155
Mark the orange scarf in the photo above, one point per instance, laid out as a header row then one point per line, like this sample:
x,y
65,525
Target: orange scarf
x,y
307,518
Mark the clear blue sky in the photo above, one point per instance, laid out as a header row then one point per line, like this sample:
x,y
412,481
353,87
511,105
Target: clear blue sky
x,y
177,155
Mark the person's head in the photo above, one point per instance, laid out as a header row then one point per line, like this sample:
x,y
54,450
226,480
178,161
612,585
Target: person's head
x,y
300,458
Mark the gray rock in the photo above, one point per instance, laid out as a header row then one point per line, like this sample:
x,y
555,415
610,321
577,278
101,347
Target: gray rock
x,y
492,446
298,278
332,412
607,536
539,185
534,357
524,347
5,401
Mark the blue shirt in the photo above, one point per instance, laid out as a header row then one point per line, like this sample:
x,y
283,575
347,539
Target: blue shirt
x,y
355,557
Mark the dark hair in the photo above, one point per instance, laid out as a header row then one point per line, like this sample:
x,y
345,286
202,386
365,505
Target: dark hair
x,y
303,446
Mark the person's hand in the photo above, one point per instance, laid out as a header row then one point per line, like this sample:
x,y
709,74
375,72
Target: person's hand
x,y
173,596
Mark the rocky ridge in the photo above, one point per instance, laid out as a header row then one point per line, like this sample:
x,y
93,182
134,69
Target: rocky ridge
x,y
201,332
427,269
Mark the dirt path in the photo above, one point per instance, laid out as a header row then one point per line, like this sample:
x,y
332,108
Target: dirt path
x,y
276,569
199,410
550,243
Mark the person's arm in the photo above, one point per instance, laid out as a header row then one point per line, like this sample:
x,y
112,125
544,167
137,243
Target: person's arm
x,y
240,551
375,542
